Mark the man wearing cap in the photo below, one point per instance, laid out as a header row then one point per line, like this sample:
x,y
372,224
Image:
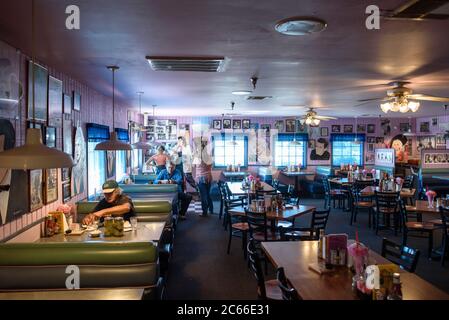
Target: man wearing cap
x,y
115,203
171,175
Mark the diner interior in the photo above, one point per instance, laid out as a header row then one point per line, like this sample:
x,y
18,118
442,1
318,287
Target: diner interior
x,y
253,150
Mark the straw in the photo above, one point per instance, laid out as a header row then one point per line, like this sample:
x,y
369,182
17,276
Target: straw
x,y
357,237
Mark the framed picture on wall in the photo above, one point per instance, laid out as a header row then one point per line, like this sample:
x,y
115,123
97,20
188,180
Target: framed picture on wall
x,y
35,190
66,192
312,143
54,102
290,125
39,112
361,128
348,128
279,125
51,185
434,121
324,132
371,128
246,124
216,124
50,137
301,127
236,124
227,124
76,101
65,175
379,139
403,127
266,128
67,104
424,127
336,128
110,164
371,139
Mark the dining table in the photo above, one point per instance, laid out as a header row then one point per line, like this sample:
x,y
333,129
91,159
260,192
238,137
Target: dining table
x,y
237,188
371,190
87,295
298,175
296,257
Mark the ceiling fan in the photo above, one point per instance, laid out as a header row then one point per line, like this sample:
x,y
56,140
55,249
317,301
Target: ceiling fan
x,y
402,99
312,119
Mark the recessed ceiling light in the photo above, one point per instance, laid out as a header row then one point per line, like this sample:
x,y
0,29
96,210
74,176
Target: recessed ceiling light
x,y
241,92
299,26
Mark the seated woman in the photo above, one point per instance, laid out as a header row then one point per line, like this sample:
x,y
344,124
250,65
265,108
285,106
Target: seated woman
x,y
115,203
160,159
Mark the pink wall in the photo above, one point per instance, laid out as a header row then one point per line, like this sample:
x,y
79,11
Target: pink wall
x,y
95,108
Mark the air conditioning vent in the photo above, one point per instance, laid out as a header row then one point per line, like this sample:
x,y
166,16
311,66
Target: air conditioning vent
x,y
420,10
197,64
258,97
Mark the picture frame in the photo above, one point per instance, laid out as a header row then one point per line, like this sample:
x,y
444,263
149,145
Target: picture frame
x,y
434,121
50,137
290,125
237,124
110,164
371,128
40,93
66,192
227,124
403,127
266,128
67,104
35,193
301,127
279,125
216,124
324,131
246,124
348,128
380,139
336,128
67,135
371,139
76,101
54,102
312,143
361,128
424,127
51,186
370,147
65,175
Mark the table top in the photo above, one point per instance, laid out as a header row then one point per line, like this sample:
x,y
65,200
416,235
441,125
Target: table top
x,y
298,173
236,188
346,181
286,214
103,294
235,173
441,177
422,206
369,191
295,257
146,232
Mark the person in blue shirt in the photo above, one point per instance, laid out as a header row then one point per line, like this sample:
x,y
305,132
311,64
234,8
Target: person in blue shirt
x,y
171,175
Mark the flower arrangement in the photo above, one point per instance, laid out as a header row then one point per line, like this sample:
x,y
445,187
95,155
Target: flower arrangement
x,y
65,208
430,196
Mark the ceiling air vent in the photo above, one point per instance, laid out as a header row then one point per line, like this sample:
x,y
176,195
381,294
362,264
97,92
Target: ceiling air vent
x,y
200,64
420,10
258,97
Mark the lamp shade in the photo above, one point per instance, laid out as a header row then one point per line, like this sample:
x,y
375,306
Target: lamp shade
x,y
34,155
142,145
113,144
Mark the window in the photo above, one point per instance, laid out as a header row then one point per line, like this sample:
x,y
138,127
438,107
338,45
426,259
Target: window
x,y
287,152
96,160
230,149
120,157
345,149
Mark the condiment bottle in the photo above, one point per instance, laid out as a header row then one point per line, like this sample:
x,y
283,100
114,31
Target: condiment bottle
x,y
396,290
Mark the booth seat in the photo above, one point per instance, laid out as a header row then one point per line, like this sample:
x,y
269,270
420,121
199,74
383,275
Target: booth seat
x,y
102,265
441,187
143,178
315,187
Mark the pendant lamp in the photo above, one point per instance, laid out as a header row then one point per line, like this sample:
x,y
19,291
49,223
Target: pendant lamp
x,y
113,144
34,154
142,145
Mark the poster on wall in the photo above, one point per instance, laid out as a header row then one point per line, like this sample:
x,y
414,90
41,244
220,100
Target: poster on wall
x,y
425,142
385,158
40,92
320,150
435,159
54,102
36,190
13,183
11,89
79,169
51,185
402,147
110,164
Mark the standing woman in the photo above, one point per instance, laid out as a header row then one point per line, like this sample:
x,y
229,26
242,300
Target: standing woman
x,y
203,173
160,159
185,152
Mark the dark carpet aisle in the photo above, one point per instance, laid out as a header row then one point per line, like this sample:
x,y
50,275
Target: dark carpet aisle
x,y
200,269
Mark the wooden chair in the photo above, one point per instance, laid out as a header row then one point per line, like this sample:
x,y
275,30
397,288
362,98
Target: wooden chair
x,y
332,195
409,182
416,229
318,222
231,202
259,229
238,227
445,222
406,257
265,289
288,293
359,202
387,207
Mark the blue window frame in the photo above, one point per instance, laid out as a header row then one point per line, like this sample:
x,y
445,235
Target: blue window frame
x,y
230,149
287,152
347,149
120,159
96,160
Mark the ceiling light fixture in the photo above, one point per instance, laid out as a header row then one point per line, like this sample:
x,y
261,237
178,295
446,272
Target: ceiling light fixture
x,y
141,145
299,26
400,104
241,92
113,144
34,154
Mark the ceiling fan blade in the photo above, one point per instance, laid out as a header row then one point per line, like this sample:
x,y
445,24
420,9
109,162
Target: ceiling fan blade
x,y
368,100
325,118
427,98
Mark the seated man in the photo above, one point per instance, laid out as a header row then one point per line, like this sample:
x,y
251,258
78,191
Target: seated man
x,y
171,175
115,203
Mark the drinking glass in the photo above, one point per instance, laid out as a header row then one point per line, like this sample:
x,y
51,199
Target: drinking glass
x,y
133,221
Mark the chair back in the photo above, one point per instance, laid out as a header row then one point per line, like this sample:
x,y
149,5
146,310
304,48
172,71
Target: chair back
x,y
257,222
319,221
256,267
288,293
327,186
405,257
409,181
444,212
275,184
387,202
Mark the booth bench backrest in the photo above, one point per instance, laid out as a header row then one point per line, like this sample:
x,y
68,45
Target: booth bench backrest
x,y
149,188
